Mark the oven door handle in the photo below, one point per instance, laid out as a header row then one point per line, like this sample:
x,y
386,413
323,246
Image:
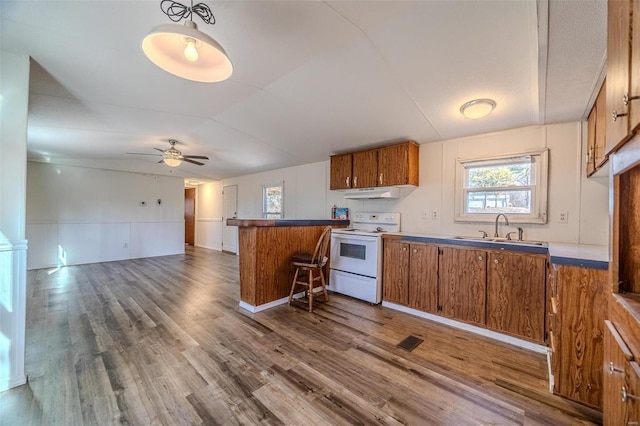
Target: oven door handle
x,y
353,237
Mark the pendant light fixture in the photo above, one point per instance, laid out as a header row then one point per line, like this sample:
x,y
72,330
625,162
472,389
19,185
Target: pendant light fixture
x,y
185,51
478,108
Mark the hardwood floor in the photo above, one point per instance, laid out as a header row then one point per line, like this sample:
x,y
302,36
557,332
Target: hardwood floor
x,y
162,341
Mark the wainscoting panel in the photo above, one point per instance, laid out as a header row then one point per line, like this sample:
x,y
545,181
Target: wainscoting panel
x,y
209,233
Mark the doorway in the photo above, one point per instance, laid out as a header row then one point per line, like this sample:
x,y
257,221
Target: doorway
x,y
190,216
230,207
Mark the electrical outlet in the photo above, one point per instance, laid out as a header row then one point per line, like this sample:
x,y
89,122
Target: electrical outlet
x,y
434,215
563,217
425,214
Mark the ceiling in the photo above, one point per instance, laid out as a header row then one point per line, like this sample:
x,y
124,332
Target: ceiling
x,y
311,78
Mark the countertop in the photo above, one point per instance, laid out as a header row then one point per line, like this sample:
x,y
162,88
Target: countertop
x,y
582,255
285,222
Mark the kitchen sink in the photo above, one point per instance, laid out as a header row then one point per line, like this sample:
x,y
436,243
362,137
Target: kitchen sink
x,y
501,241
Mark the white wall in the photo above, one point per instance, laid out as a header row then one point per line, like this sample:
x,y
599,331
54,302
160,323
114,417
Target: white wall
x,y
209,206
14,101
80,215
585,200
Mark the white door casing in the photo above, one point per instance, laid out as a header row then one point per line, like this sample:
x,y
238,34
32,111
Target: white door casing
x,y
230,211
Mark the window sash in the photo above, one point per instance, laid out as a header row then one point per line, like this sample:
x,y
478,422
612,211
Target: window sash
x,y
537,187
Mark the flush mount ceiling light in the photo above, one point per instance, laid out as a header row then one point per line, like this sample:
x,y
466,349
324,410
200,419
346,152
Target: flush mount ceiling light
x,y
478,108
185,51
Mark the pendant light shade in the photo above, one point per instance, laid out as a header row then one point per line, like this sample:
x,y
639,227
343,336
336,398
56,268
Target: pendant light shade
x,y
185,51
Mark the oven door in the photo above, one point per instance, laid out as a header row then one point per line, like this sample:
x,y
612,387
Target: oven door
x,y
357,254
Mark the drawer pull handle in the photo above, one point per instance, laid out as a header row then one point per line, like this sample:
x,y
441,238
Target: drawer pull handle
x,y
348,179
626,98
625,395
614,369
616,114
355,181
479,257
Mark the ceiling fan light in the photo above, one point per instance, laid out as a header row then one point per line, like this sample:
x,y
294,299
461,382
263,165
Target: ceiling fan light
x,y
478,108
172,162
167,46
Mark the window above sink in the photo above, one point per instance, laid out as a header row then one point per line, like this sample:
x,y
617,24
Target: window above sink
x,y
514,184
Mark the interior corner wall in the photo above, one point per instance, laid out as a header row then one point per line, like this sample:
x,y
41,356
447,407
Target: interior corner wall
x,y
78,215
584,200
209,204
14,102
305,191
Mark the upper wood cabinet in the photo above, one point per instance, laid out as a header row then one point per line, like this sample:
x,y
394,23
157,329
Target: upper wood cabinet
x,y
398,165
623,72
365,166
596,133
516,294
341,166
386,166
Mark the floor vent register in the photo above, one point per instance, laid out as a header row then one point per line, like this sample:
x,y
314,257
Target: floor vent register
x,y
410,343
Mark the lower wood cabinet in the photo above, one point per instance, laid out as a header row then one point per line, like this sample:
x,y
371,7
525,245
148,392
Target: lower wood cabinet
x,y
463,284
617,357
579,334
516,294
423,277
410,274
395,275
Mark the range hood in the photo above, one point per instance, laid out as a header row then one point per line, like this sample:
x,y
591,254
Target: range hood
x,y
372,193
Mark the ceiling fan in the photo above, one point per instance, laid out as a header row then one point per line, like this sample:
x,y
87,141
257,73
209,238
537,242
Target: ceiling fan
x,y
172,157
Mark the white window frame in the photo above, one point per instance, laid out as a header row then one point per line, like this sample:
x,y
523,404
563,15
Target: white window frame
x,y
265,213
538,188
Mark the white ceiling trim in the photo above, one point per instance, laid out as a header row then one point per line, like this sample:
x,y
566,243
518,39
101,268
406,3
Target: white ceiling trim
x,y
542,39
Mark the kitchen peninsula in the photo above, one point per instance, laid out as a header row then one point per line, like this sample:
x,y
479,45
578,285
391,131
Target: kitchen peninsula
x,y
265,249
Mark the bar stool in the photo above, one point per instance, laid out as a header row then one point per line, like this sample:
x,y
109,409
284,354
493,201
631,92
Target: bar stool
x,y
309,270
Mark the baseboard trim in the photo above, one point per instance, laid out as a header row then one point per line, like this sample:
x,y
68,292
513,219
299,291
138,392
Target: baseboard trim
x,y
524,344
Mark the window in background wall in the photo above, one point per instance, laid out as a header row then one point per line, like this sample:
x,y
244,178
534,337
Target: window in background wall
x,y
273,202
515,185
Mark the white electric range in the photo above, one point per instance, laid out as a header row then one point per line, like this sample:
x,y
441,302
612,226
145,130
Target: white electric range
x,y
356,255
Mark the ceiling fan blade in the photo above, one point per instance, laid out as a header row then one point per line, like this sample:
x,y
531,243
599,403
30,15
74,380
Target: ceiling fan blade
x,y
192,162
158,149
161,161
143,153
199,157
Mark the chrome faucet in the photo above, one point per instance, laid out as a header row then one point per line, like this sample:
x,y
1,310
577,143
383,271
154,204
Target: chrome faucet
x,y
506,222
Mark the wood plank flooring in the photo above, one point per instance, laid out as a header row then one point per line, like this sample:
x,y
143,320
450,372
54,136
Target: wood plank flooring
x,y
162,341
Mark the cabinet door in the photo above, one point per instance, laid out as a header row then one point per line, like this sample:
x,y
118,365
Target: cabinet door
x,y
631,395
601,127
341,171
591,140
396,272
516,294
423,277
618,61
463,284
398,165
634,105
583,294
365,169
616,355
